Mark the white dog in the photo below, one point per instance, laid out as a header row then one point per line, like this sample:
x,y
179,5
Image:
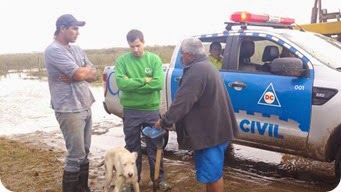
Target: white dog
x,y
123,161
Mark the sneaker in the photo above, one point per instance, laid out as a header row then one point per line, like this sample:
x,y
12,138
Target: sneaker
x,y
126,188
164,186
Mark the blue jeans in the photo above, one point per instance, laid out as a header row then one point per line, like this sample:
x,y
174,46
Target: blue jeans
x,y
76,129
133,121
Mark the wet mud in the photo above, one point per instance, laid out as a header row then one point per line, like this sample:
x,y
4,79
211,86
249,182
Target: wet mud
x,y
239,174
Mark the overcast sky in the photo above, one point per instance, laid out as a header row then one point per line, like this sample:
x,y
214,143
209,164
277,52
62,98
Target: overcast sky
x,y
28,25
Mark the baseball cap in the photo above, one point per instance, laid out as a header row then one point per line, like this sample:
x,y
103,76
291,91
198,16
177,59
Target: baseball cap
x,y
68,20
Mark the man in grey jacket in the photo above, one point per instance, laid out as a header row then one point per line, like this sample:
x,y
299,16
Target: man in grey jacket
x,y
203,115
69,73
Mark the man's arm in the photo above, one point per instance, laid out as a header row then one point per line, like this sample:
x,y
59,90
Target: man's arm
x,y
124,82
92,75
189,92
87,73
156,82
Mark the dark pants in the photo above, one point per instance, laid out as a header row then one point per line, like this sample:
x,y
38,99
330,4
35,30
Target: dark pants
x,y
133,121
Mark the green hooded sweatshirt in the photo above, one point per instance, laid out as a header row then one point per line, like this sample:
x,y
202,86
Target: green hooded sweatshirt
x,y
131,73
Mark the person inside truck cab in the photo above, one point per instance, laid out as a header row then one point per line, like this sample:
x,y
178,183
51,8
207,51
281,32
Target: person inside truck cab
x,y
247,49
286,53
215,54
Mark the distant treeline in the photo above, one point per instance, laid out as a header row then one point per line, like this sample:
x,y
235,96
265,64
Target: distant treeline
x,y
99,57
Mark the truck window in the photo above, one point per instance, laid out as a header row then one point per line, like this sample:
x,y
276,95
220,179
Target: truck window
x,y
256,54
318,46
213,53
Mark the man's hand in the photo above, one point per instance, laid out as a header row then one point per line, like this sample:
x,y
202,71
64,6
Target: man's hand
x,y
65,78
126,77
157,124
148,79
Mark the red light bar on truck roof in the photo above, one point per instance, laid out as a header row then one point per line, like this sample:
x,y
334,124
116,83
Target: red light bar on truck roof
x,y
243,16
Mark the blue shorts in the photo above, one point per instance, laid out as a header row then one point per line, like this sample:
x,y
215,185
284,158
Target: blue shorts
x,y
209,163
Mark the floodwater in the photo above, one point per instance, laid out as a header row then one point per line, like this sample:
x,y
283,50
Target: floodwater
x,y
25,113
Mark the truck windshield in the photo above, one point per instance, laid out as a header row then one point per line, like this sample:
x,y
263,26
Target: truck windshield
x,y
324,49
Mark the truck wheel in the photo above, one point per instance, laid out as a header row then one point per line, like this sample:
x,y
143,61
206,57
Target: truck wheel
x,y
338,163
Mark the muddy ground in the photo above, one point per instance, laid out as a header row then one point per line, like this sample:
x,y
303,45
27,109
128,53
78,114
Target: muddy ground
x,y
28,165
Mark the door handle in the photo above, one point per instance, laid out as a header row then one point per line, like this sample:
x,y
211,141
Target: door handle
x,y
237,84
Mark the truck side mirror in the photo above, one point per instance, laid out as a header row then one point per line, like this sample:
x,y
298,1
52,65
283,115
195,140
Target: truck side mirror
x,y
288,66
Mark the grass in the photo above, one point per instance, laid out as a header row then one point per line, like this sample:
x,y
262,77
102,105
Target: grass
x,y
99,57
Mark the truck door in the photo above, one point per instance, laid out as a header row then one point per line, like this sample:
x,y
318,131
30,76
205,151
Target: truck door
x,y
272,110
173,76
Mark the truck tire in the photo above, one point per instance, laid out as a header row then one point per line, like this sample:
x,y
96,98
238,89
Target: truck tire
x,y
338,163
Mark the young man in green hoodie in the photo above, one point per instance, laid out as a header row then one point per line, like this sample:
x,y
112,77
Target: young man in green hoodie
x,y
140,78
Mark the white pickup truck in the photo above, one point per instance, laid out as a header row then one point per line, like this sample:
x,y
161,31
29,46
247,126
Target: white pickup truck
x,y
283,104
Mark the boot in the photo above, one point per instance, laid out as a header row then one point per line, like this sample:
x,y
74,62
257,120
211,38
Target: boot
x,y
83,178
70,180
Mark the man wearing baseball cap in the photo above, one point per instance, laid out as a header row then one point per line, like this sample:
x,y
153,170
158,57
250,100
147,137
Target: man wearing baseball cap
x,y
67,20
69,74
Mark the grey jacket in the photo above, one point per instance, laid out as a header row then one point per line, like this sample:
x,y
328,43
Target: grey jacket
x,y
202,110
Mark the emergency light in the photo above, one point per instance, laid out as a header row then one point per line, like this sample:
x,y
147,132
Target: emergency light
x,y
243,16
